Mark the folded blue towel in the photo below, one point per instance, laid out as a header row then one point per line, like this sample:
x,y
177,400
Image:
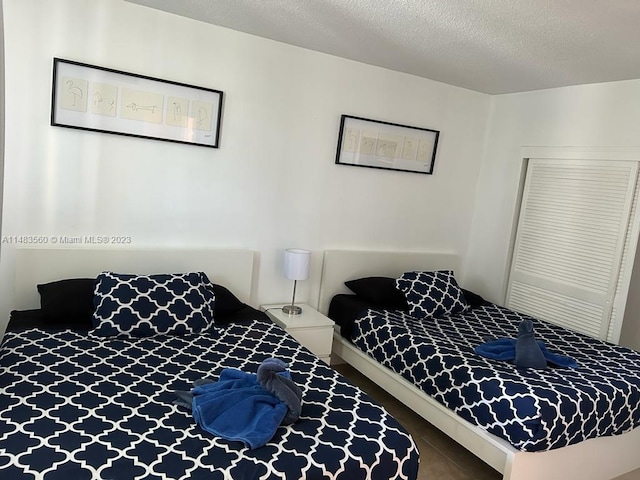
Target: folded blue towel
x,y
239,407
505,349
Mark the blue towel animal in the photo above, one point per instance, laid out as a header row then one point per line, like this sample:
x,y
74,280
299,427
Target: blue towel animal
x,y
239,407
528,352
525,354
273,376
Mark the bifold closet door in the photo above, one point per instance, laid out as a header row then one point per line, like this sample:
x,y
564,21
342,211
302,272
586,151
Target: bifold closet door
x,y
571,232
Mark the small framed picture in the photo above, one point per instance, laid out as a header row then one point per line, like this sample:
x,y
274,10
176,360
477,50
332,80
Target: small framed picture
x,y
104,100
389,146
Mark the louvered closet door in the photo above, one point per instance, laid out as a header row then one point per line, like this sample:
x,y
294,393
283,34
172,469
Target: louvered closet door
x,y
571,232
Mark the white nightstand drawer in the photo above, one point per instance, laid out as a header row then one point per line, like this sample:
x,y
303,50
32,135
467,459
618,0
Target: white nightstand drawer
x,y
310,328
318,340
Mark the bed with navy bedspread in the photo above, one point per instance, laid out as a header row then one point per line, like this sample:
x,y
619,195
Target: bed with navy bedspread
x,y
78,405
534,410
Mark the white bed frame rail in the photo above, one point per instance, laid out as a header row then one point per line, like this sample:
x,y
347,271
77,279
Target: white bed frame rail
x,y
595,459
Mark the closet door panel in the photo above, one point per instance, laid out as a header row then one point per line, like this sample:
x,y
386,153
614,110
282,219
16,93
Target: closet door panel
x,y
626,268
571,233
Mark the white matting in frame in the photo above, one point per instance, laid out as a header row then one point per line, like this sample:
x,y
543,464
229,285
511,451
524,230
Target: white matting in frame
x,y
104,100
390,146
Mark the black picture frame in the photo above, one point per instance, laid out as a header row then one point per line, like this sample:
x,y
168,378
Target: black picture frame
x,y
363,142
99,99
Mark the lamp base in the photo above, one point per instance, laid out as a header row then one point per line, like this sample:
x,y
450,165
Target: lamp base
x,y
292,310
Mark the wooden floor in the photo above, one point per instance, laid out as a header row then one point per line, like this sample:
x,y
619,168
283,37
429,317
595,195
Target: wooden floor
x,y
440,457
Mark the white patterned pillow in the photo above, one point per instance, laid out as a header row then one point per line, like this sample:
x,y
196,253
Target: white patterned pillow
x,y
431,294
145,305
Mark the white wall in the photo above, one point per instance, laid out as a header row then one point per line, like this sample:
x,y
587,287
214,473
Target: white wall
x,y
273,182
599,115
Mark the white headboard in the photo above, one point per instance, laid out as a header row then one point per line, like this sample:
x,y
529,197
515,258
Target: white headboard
x,y
231,268
342,265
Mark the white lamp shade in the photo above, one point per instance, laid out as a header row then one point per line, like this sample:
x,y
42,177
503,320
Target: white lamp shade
x,y
296,263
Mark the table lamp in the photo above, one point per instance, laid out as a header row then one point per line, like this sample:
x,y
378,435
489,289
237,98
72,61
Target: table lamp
x,y
296,267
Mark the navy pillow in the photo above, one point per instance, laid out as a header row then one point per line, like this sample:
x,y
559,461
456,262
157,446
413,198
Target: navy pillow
x,y
145,305
432,294
379,290
68,301
226,303
474,300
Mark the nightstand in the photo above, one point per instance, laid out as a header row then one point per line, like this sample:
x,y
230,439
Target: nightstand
x,y
310,328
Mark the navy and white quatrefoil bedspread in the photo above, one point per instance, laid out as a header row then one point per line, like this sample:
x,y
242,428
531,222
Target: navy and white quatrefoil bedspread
x,y
74,407
534,410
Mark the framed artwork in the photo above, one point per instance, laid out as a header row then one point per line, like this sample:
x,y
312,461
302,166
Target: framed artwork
x,y
104,100
389,146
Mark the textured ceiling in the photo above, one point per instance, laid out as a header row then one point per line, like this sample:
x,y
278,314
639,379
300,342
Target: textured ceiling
x,y
491,46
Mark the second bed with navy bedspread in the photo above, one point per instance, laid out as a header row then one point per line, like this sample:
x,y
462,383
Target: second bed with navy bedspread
x,y
534,410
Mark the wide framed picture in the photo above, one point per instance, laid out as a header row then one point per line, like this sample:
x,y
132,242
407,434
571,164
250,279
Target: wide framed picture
x,y
363,142
104,100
